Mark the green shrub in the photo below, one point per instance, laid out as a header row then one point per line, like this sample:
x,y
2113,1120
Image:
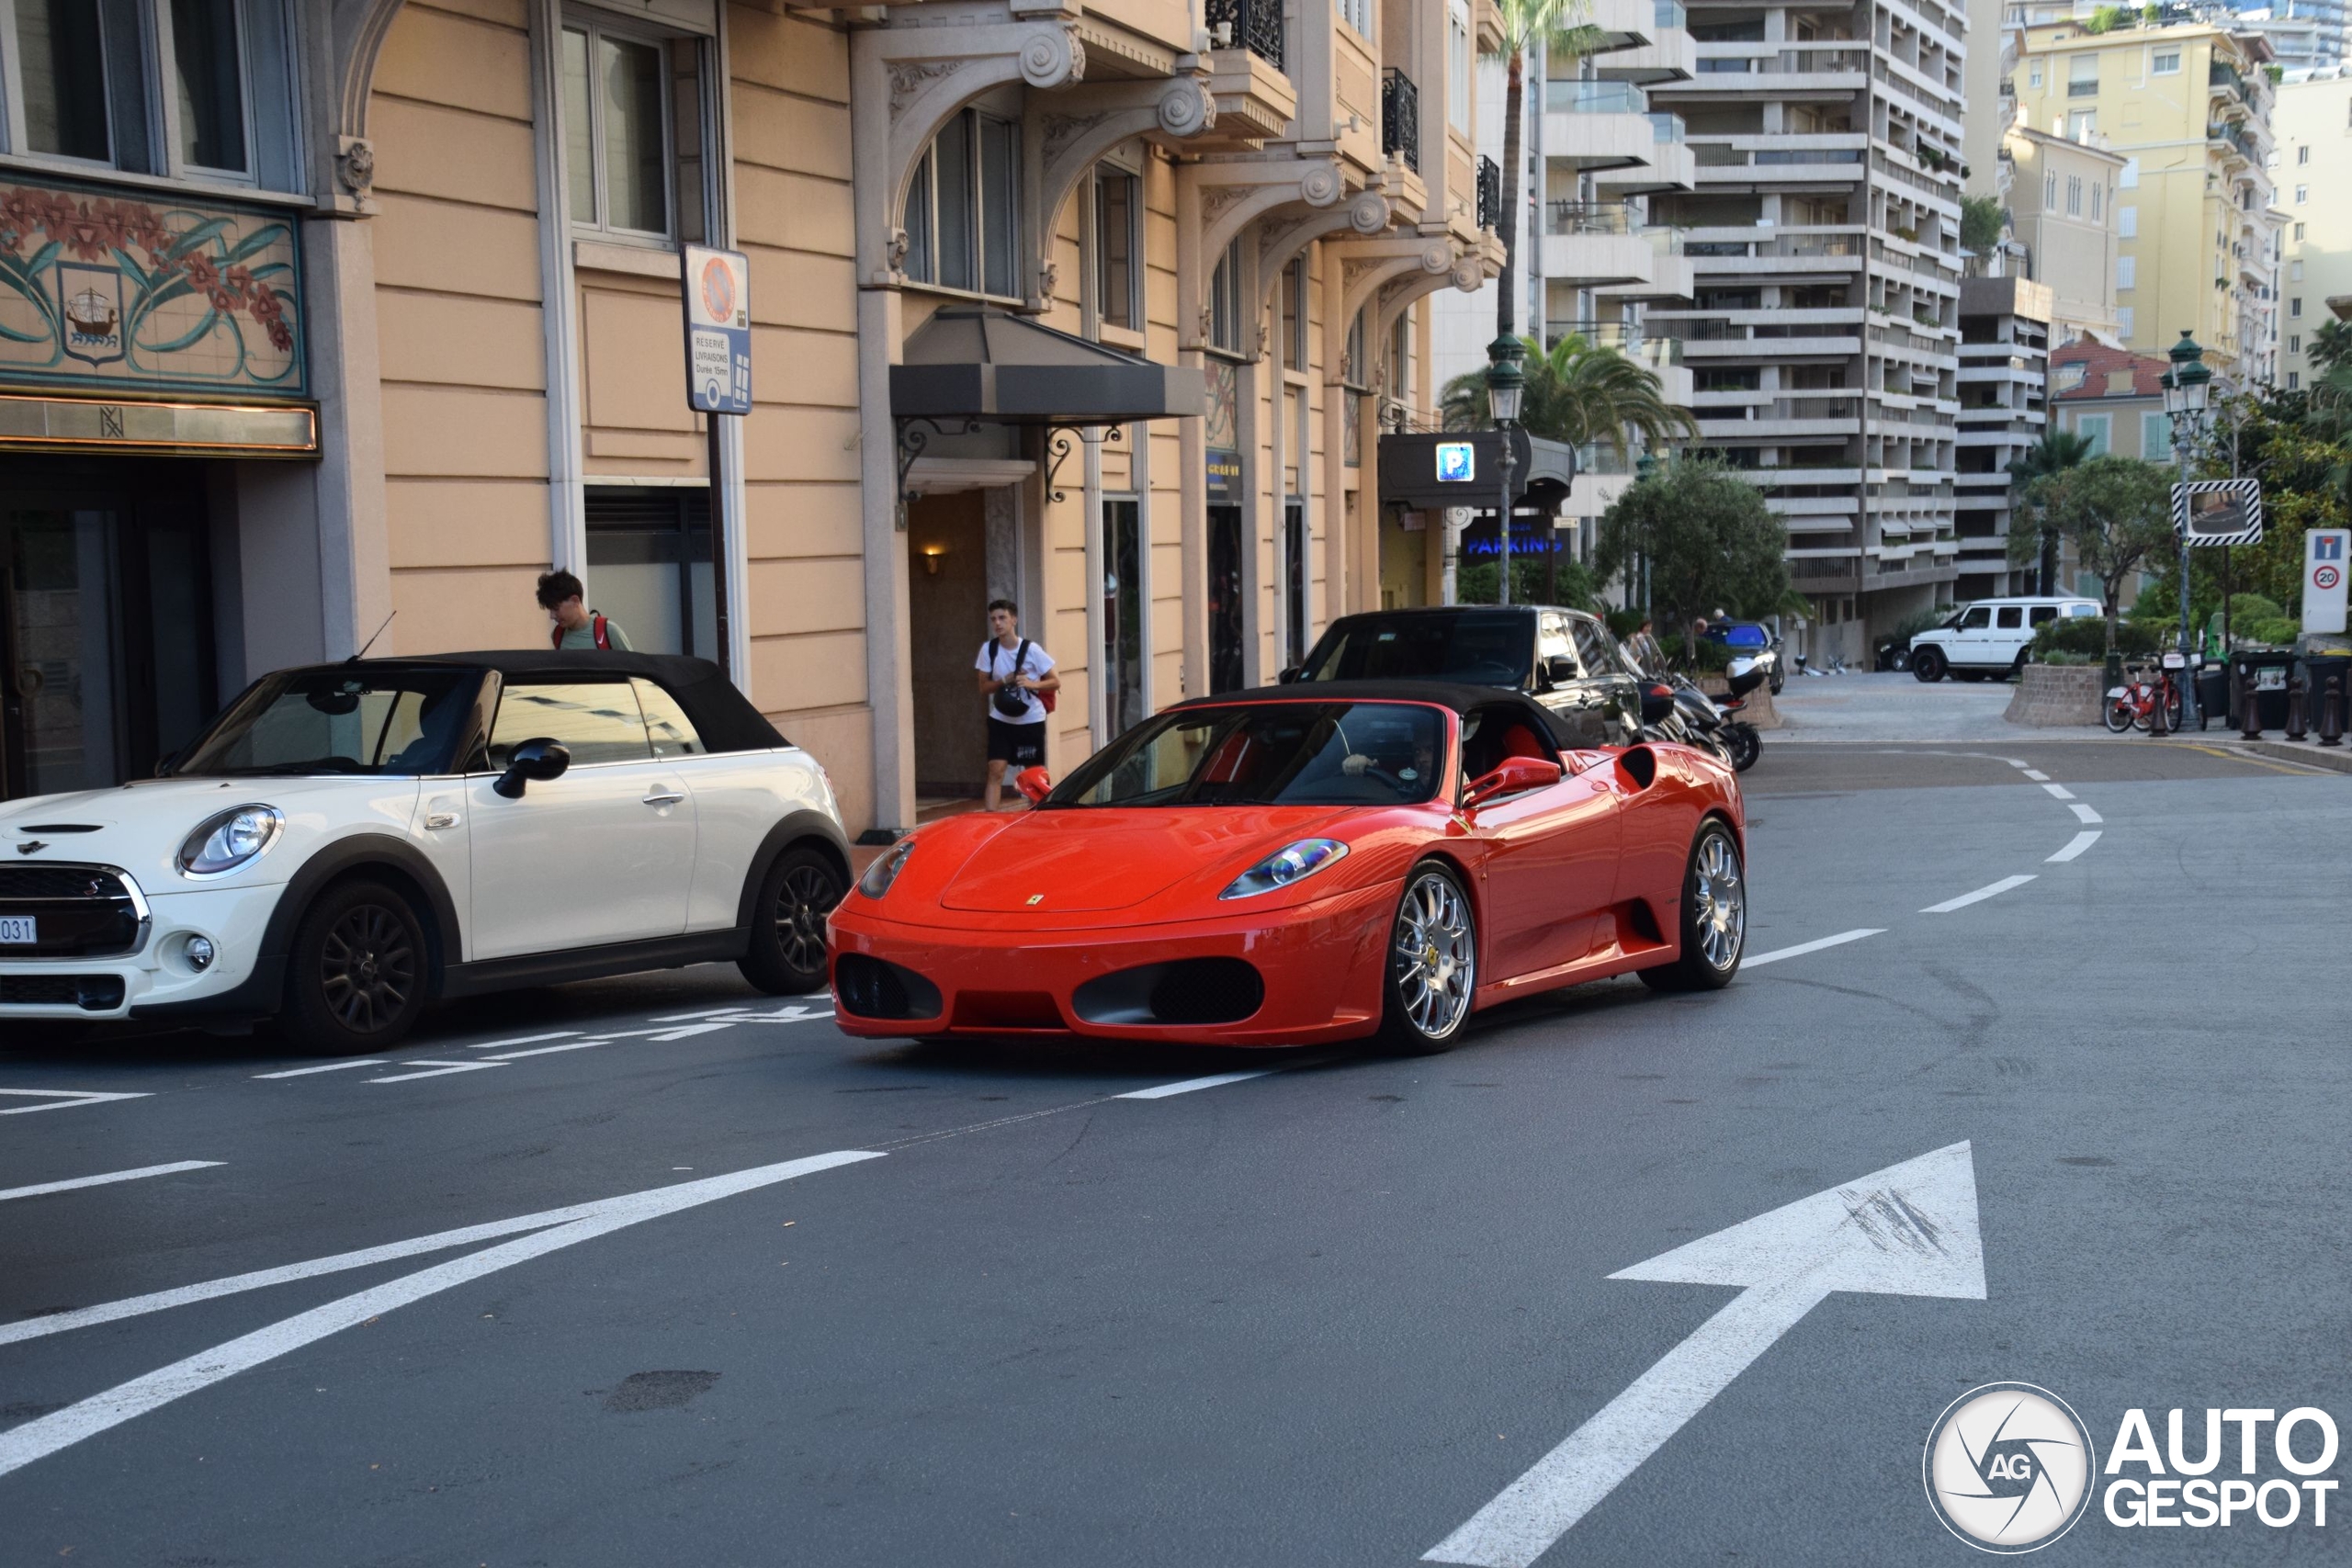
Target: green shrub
x,y
2280,630
2087,634
2245,609
2060,656
1917,621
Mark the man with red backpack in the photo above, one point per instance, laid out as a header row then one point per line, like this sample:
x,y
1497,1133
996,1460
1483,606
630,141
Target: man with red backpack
x,y
1017,678
576,625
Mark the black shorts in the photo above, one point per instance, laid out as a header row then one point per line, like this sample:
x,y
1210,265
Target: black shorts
x,y
1016,745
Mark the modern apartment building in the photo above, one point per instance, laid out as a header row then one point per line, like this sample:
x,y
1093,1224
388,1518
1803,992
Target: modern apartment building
x,y
326,311
2004,381
1824,238
2314,128
2187,103
2304,34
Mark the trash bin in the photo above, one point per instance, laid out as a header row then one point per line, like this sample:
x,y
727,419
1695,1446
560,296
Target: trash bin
x,y
2318,669
2268,669
2212,695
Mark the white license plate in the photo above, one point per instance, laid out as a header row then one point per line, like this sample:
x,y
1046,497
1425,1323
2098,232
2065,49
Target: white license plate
x,y
18,928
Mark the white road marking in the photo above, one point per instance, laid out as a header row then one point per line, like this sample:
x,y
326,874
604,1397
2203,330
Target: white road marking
x,y
2075,846
38,1438
794,1014
691,1017
2019,763
2036,775
440,1069
2059,792
328,1067
1965,900
1189,1085
67,1099
2085,813
1800,949
1909,1230
522,1040
112,1176
544,1050
668,1034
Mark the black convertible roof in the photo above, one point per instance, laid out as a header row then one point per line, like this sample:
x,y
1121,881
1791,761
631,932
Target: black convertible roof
x,y
1461,699
723,716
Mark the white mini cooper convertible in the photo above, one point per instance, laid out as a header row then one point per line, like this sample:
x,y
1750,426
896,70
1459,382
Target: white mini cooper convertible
x,y
347,842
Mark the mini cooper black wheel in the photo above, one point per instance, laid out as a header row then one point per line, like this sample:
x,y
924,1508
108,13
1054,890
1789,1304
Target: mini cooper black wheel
x,y
1432,965
356,977
787,956
1715,916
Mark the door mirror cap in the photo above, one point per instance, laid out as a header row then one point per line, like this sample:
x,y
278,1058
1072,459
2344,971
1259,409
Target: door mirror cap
x,y
1657,701
1289,676
538,758
1034,784
1515,775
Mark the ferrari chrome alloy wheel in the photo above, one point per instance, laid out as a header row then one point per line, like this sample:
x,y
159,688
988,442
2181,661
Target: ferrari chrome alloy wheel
x,y
1435,956
1719,902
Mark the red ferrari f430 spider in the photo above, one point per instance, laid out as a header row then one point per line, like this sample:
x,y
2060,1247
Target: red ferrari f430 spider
x,y
1302,864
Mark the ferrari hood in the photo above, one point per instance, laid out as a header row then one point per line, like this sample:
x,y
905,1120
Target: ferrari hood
x,y
1079,860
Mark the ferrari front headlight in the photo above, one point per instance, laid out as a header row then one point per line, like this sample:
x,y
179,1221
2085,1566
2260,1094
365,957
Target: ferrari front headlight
x,y
885,870
233,839
1293,862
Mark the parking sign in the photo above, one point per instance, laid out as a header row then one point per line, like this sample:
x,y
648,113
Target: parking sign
x,y
1458,462
718,331
2324,585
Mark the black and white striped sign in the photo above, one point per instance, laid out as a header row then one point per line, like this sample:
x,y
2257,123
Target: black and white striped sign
x,y
2218,512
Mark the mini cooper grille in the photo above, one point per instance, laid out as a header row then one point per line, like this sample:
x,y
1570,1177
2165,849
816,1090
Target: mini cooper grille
x,y
873,988
93,993
80,911
1186,991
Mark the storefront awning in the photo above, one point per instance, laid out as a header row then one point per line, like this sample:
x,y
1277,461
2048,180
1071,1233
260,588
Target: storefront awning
x,y
968,364
1424,472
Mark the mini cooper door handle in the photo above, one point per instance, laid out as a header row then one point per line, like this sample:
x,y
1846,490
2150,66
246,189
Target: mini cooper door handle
x,y
437,820
663,798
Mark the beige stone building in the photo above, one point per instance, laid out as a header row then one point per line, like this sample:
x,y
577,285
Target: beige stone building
x,y
2063,208
2315,127
340,309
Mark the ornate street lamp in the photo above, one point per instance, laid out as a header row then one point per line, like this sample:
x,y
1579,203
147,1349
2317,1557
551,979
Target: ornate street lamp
x,y
1505,382
2188,387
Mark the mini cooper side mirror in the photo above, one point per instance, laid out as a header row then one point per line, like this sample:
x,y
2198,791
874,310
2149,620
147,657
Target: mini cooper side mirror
x,y
1034,784
539,758
1515,775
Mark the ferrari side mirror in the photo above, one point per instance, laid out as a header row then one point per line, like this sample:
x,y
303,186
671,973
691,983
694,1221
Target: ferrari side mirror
x,y
1034,784
1515,775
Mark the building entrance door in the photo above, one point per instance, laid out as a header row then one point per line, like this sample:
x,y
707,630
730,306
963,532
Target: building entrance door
x,y
948,619
1225,599
105,621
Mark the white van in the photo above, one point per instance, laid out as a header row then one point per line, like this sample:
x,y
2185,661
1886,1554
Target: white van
x,y
1988,637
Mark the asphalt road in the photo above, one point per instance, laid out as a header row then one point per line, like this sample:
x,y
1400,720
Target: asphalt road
x,y
1321,1315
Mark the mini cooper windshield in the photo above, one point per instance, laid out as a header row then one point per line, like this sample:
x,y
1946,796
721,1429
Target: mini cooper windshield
x,y
370,720
1292,753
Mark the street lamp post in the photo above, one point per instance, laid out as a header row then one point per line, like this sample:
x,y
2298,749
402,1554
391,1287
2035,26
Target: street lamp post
x,y
2187,386
1504,383
1646,469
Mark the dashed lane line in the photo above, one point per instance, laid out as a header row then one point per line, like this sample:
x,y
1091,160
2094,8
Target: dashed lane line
x,y
41,1188
328,1067
1212,1081
1800,949
2075,846
2059,792
2036,775
439,1069
1965,900
2085,813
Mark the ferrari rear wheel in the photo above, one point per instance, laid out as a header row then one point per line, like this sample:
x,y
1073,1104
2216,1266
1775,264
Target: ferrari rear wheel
x,y
1715,916
1432,964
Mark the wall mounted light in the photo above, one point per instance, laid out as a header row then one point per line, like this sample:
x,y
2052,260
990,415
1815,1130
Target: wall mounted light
x,y
932,555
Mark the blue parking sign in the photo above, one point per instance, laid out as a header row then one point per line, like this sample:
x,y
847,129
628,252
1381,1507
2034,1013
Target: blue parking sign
x,y
1458,462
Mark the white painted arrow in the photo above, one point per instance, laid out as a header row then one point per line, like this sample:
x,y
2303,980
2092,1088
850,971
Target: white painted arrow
x,y
1909,1230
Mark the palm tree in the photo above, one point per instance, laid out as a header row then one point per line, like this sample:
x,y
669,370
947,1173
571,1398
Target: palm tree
x,y
2057,451
1581,393
1557,23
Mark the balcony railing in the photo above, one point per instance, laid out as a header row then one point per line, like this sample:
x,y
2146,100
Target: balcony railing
x,y
1588,218
1593,97
1669,13
1253,25
2221,73
1664,126
1490,193
1400,117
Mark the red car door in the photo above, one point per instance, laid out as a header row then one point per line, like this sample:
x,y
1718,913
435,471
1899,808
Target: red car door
x,y
1551,861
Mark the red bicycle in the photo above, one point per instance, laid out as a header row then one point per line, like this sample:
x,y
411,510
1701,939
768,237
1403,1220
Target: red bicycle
x,y
2129,705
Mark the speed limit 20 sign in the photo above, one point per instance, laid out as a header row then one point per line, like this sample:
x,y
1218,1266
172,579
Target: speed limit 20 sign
x,y
2324,564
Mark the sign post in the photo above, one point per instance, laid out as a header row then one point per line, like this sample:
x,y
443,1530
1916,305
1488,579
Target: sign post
x,y
2325,561
718,383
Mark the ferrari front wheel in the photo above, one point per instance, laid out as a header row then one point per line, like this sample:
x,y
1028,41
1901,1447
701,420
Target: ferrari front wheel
x,y
1715,916
1432,964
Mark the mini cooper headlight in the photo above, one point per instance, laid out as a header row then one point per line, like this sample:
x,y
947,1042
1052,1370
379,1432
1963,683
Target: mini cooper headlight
x,y
1284,866
233,839
885,870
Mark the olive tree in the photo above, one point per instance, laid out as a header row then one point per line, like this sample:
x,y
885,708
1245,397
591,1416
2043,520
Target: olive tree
x,y
2117,512
1709,541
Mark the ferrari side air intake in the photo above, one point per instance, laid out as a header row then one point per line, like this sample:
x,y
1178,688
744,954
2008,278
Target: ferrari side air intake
x,y
872,987
1187,991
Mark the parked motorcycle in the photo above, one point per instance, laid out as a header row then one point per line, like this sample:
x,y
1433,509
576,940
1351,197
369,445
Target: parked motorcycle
x,y
1744,675
1691,717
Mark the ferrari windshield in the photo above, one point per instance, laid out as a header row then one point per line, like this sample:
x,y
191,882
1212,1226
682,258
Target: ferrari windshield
x,y
1292,753
362,719
1477,647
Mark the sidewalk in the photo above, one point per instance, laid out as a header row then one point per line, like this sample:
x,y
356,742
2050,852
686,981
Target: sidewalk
x,y
1899,706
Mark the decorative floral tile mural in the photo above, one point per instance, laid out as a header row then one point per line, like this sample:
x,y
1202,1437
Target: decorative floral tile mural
x,y
107,295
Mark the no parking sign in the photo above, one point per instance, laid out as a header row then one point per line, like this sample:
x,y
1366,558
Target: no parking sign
x,y
2324,564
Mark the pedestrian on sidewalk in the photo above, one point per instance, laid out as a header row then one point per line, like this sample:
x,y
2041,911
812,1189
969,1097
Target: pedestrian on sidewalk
x,y
576,625
1642,650
1017,678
